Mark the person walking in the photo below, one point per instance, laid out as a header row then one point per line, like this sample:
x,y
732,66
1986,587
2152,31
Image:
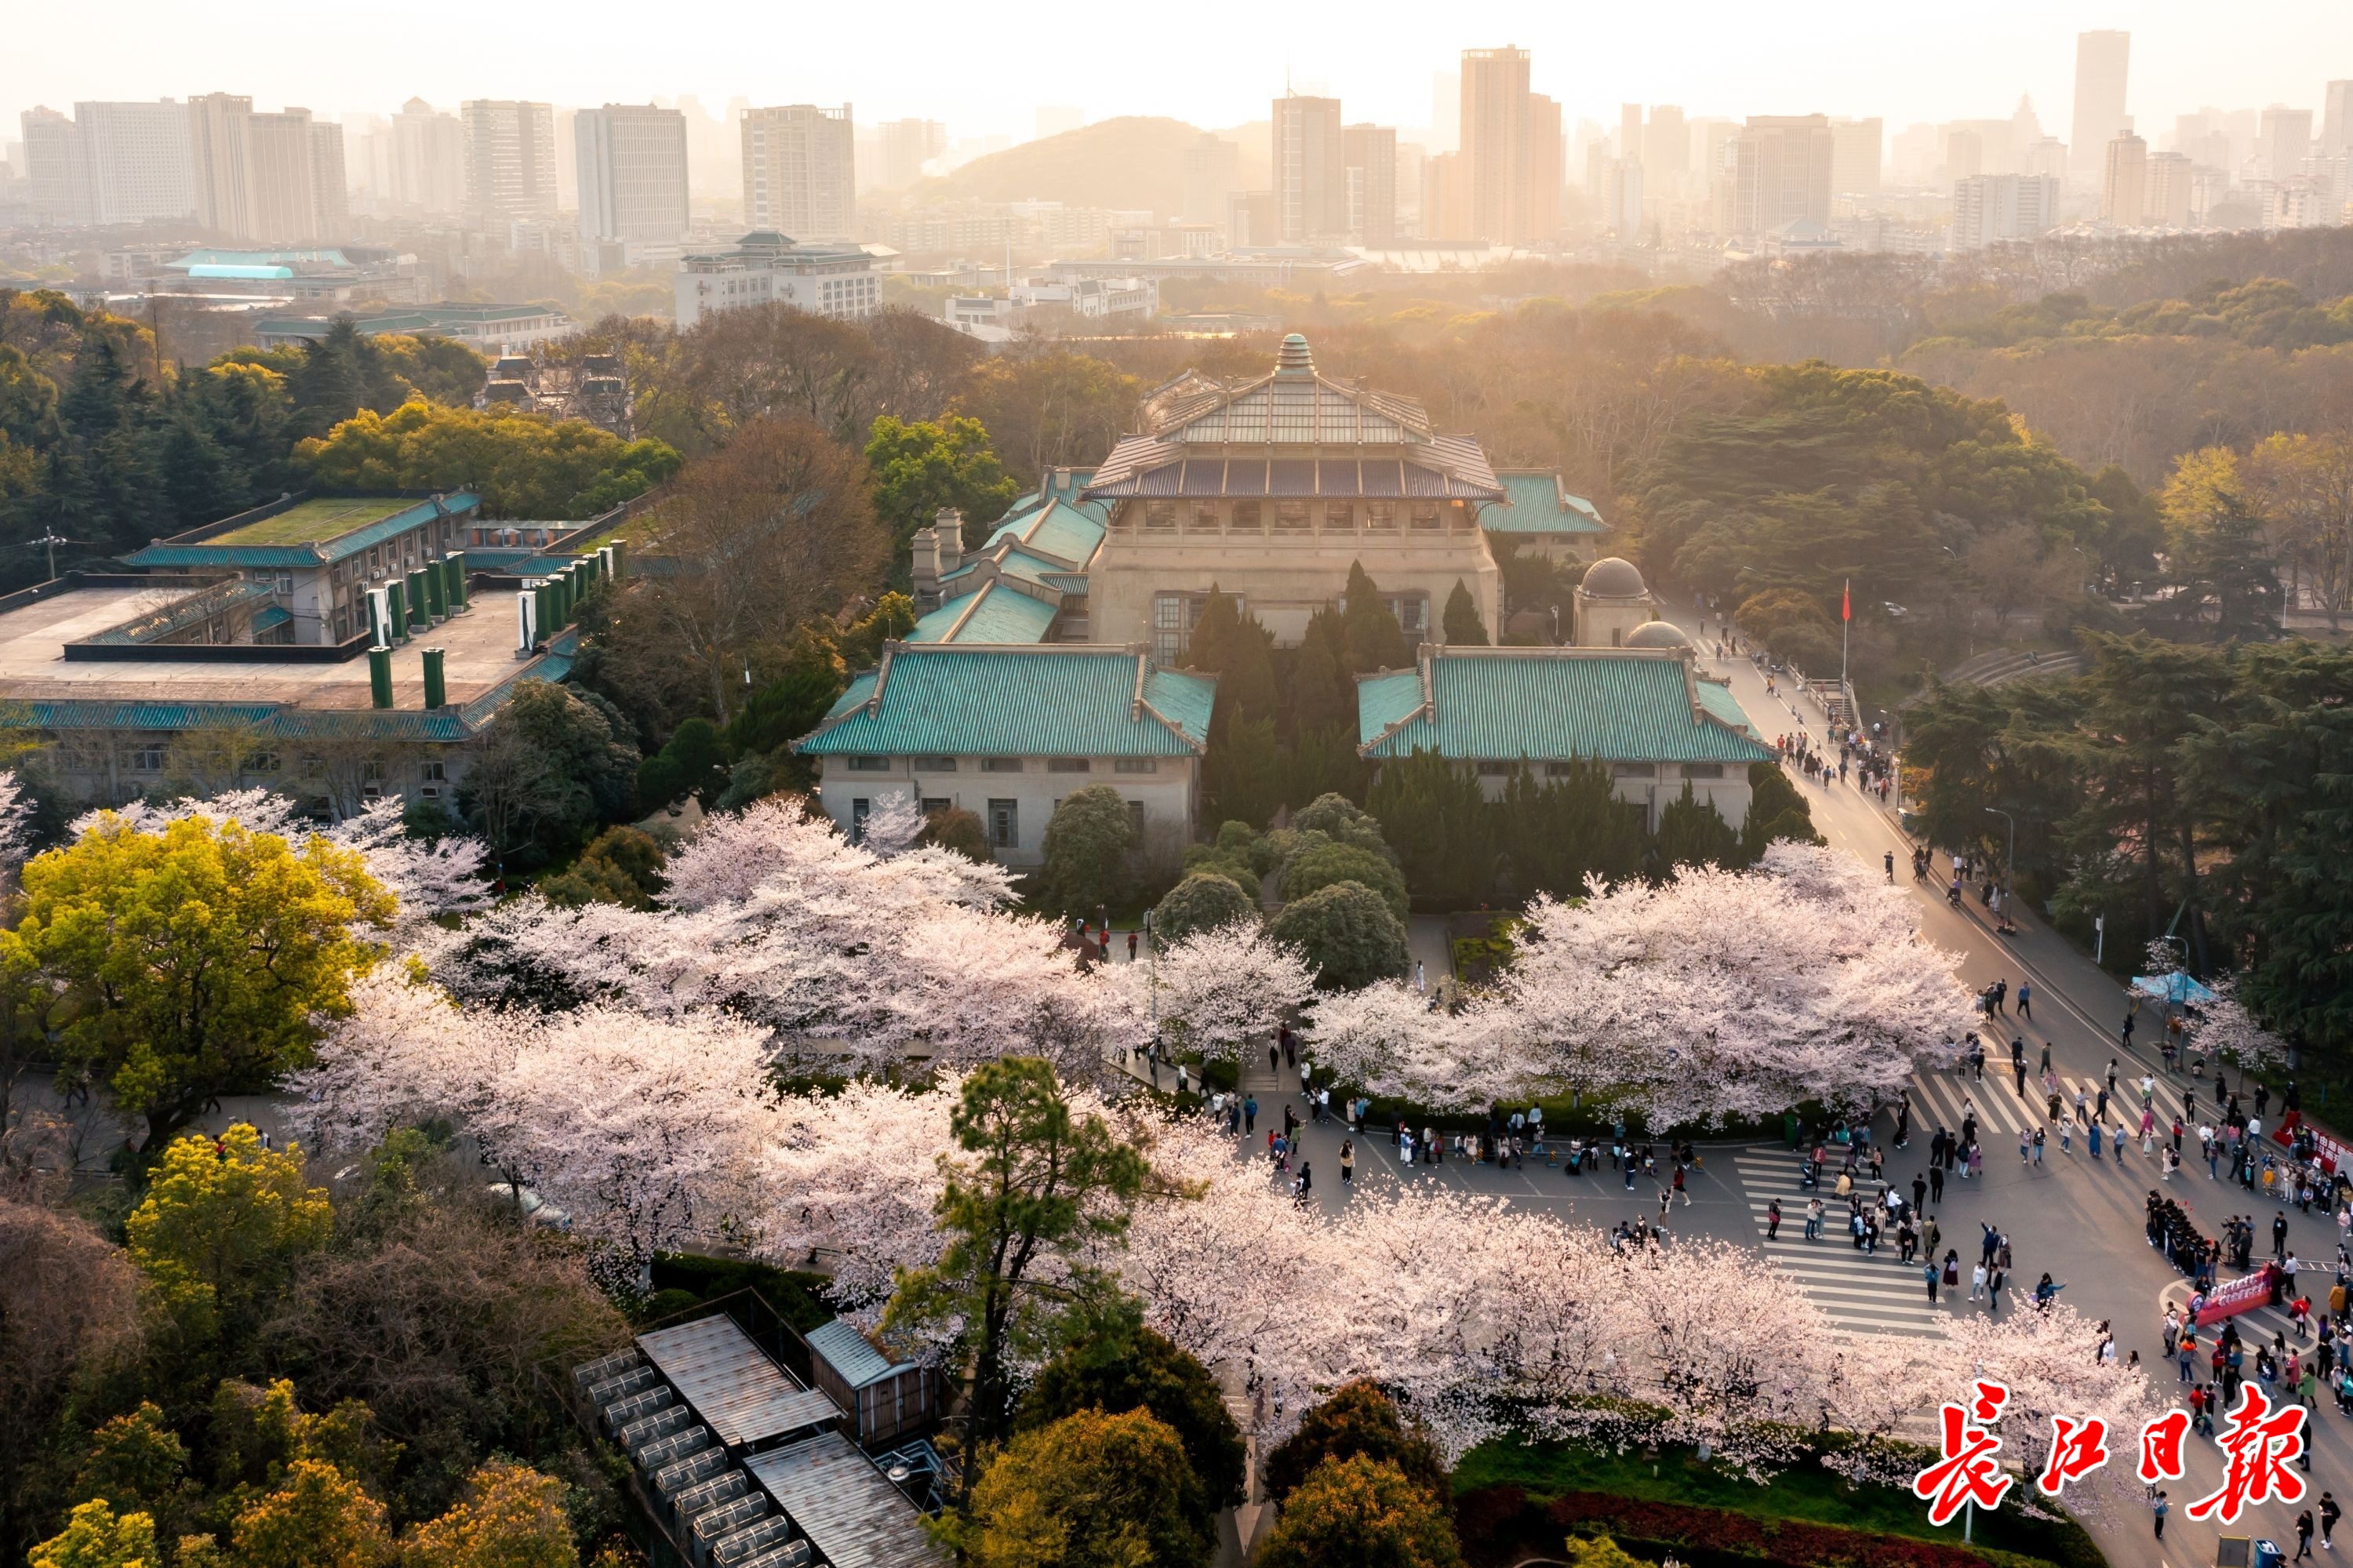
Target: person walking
x,y
1814,1220
2026,1010
1936,1183
2157,1507
1930,1275
1250,1115
1347,1162
2329,1514
1773,1220
2303,1535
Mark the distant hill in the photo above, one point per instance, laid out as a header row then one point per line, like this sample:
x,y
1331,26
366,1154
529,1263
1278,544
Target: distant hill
x,y
1134,161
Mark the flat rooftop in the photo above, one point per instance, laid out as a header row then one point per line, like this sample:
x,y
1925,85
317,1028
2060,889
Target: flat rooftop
x,y
314,521
479,645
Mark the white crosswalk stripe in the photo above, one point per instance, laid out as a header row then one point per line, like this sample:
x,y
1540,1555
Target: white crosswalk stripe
x,y
1857,1293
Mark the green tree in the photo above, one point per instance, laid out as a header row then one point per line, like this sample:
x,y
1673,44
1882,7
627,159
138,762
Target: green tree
x,y
1242,774
1348,934
511,1516
1131,1367
521,464
1461,624
693,761
1436,816
920,466
1203,900
1091,1490
1775,811
1691,832
955,828
319,1518
1361,1512
1321,694
1600,1552
136,1462
1328,863
1088,840
1342,820
1030,1184
621,866
556,762
96,1536
1373,638
222,1228
1357,1418
179,966
1555,832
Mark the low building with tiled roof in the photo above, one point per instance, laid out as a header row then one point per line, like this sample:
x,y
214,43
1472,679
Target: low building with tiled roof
x,y
1005,731
1647,712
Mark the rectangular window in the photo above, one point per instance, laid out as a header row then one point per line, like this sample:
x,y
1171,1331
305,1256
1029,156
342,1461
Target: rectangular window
x,y
286,585
870,764
1136,765
429,792
931,764
1000,764
933,804
1636,770
858,810
1496,769
1380,514
1560,769
146,760
1168,628
1160,515
1425,513
1135,819
1702,769
1340,515
263,762
1204,518
434,772
1291,517
1246,517
1005,824
1412,612
372,771
1068,765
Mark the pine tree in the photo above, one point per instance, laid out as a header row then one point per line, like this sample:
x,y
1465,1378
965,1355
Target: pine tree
x,y
1246,684
1322,695
1691,832
1375,640
1461,625
1213,634
1437,820
1242,773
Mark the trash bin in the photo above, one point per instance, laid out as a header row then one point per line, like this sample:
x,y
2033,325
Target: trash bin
x,y
2269,1555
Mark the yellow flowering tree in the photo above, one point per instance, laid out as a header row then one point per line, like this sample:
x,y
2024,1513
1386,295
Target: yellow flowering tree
x,y
221,1228
95,1538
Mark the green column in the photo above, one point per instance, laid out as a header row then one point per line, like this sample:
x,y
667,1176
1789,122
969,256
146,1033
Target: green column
x,y
395,601
420,609
542,605
618,547
436,691
453,563
380,676
437,591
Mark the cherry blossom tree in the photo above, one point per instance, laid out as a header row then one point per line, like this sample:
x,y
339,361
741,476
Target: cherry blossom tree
x,y
1220,988
15,821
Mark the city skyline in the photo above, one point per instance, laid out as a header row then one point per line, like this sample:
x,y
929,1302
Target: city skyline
x,y
1858,61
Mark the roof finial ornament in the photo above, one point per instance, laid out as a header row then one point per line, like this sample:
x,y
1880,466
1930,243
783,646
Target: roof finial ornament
x,y
1294,359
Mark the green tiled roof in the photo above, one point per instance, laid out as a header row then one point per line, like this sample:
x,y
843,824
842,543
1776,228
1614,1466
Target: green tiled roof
x,y
1056,529
995,614
304,534
1724,707
1534,504
1547,705
960,700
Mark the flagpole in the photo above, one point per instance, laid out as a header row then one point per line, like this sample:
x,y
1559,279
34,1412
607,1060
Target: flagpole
x,y
1846,619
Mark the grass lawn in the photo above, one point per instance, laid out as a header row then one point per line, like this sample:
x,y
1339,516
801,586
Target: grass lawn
x,y
1805,1491
324,517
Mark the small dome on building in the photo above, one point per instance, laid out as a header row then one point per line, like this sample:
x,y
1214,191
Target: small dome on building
x,y
1294,359
1611,577
1657,634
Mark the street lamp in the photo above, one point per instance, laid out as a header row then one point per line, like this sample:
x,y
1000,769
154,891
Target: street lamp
x,y
2009,866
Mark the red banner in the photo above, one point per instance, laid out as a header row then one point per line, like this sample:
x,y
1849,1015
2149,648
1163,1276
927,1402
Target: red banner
x,y
2332,1154
2243,1295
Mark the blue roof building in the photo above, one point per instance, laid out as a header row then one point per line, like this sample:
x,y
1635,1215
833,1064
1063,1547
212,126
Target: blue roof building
x,y
1647,712
1005,731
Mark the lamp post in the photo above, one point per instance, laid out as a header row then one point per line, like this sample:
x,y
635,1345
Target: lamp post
x,y
2009,863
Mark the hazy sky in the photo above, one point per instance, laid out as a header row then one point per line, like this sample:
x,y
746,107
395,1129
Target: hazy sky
x,y
1215,62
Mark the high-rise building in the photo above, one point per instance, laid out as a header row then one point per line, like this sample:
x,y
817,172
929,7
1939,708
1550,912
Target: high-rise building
x,y
1546,175
2045,155
2124,184
1620,183
1411,158
1311,183
2169,197
1445,111
138,160
1368,154
216,156
632,164
1494,145
1780,169
1666,147
429,159
57,167
1445,197
278,179
2285,142
800,171
2102,60
1856,146
1990,209
510,159
2336,124
1211,169
1630,130
907,146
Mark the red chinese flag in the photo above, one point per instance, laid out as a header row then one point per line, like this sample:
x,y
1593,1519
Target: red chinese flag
x,y
1846,601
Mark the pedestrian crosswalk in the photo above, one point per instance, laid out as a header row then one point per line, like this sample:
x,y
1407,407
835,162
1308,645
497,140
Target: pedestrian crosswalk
x,y
1857,1292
